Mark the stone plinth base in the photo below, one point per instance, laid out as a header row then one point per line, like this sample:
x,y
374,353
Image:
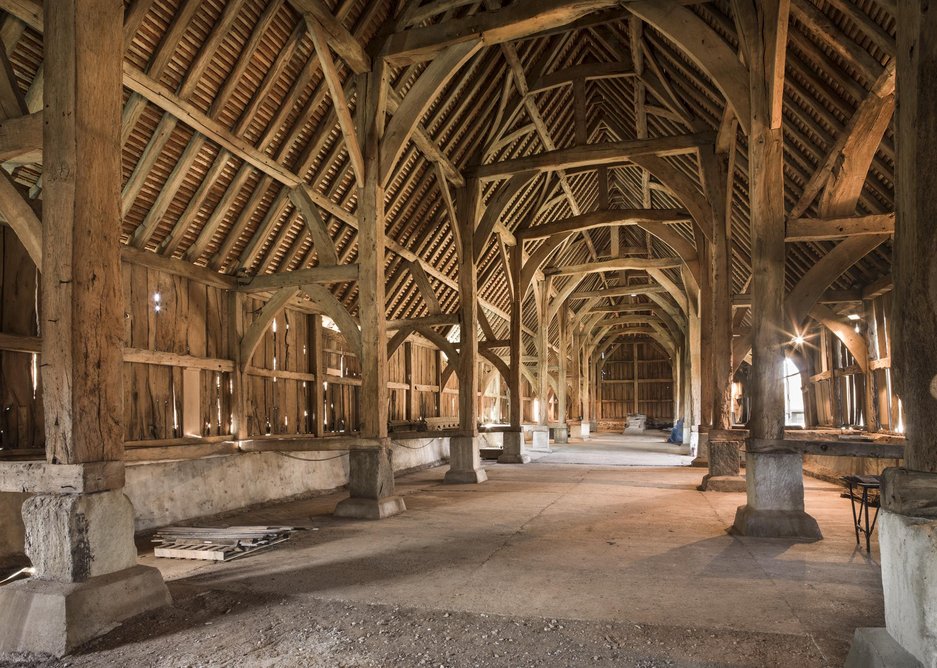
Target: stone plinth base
x,y
724,459
74,537
724,468
46,617
371,486
909,580
775,508
771,523
722,483
465,465
541,439
359,508
875,648
561,434
513,449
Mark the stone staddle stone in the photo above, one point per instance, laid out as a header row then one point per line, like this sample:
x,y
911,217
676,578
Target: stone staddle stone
x,y
75,537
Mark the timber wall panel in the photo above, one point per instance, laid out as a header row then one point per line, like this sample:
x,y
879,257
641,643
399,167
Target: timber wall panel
x,y
21,417
171,314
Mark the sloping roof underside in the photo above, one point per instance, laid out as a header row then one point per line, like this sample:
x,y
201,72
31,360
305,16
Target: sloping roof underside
x,y
250,66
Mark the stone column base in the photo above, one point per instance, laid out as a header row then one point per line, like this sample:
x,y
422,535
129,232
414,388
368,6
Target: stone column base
x,y
722,483
561,434
541,439
775,508
771,523
513,449
465,465
909,577
48,617
875,648
370,486
724,468
360,508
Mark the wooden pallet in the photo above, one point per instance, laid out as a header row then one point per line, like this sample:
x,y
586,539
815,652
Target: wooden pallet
x,y
210,551
217,544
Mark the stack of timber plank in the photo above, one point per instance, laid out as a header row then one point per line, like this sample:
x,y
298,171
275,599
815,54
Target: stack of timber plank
x,y
217,543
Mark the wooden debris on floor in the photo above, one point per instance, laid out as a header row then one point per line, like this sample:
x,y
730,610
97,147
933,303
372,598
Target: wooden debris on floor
x,y
217,543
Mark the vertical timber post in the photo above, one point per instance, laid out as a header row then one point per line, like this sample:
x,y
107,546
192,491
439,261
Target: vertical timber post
x,y
908,518
80,542
561,431
775,482
723,451
371,471
464,458
514,438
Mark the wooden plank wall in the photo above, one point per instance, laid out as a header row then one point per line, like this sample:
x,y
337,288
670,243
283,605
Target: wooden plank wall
x,y
838,384
177,341
494,402
343,378
641,366
280,404
21,419
170,314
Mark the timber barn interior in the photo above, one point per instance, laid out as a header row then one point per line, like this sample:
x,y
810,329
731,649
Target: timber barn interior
x,y
474,332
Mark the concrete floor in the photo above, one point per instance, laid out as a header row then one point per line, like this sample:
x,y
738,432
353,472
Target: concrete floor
x,y
608,449
608,552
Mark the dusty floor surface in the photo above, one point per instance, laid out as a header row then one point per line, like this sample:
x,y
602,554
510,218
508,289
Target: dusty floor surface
x,y
573,564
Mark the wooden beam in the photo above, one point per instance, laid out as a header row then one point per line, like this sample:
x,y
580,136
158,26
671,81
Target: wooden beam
x,y
255,332
816,229
607,218
162,97
438,320
878,287
420,96
20,216
518,20
705,47
852,152
43,478
913,315
344,43
425,288
334,83
615,264
626,291
763,27
593,155
176,267
318,230
20,344
423,141
143,356
341,273
21,139
583,72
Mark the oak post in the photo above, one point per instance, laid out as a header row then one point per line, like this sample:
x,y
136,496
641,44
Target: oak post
x,y
775,482
371,472
80,540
